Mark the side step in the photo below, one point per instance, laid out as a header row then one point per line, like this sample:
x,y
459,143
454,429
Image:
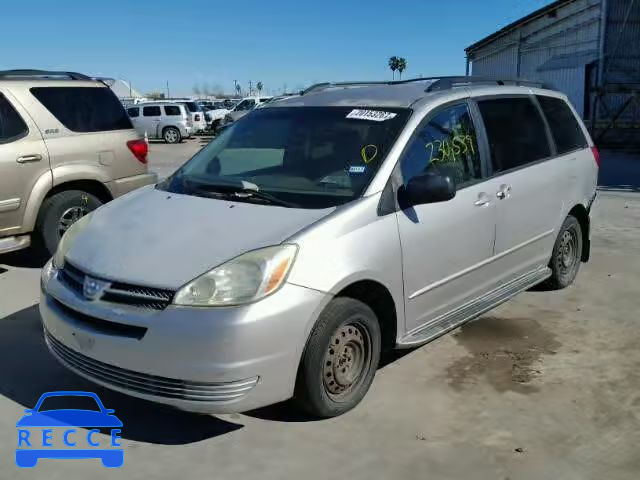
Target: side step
x,y
11,244
452,320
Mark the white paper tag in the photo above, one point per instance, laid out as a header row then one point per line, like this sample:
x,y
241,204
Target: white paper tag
x,y
375,115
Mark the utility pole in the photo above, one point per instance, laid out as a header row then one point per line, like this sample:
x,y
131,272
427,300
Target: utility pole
x,y
284,89
130,94
168,95
250,88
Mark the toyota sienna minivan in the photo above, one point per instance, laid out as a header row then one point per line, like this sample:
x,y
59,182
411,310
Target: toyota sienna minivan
x,y
317,232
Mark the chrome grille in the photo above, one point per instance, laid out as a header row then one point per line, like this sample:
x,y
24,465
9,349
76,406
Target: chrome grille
x,y
149,384
119,292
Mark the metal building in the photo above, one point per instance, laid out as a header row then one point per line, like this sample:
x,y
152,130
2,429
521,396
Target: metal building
x,y
589,49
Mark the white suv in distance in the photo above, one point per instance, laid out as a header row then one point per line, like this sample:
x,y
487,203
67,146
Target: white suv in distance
x,y
168,121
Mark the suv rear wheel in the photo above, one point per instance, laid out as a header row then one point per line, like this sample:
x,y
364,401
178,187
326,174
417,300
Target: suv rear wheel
x,y
171,135
59,212
340,359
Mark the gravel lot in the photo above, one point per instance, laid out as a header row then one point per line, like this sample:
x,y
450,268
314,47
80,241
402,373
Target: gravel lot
x,y
545,387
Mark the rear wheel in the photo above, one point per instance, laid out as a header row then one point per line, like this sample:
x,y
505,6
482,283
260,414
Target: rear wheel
x,y
340,359
566,256
59,212
171,135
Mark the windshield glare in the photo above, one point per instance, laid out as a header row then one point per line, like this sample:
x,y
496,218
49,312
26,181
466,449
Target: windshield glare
x,y
313,157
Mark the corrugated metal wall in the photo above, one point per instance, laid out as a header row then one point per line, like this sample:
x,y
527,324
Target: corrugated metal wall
x,y
622,55
553,49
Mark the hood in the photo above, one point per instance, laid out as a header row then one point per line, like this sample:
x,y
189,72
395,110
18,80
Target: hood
x,y
160,239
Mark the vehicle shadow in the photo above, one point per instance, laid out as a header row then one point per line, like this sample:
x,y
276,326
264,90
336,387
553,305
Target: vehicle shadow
x,y
27,258
27,370
288,412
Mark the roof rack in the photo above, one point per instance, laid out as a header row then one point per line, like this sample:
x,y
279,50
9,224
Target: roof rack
x,y
437,83
28,73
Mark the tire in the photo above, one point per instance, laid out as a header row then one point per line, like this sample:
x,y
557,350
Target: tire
x,y
347,334
171,135
566,256
58,213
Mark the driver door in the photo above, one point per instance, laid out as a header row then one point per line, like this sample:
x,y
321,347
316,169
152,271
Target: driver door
x,y
446,246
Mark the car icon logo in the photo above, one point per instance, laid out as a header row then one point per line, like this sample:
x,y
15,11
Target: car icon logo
x,y
46,432
92,288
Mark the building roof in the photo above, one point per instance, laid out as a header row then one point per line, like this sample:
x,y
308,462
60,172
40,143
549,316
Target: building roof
x,y
122,89
512,26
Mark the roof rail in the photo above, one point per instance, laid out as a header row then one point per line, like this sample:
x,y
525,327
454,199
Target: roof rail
x,y
437,83
29,73
445,83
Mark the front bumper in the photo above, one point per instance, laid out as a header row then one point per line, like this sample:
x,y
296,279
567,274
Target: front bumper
x,y
208,360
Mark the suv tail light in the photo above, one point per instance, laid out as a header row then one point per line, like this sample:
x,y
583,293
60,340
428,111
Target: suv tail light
x,y
596,155
197,117
140,149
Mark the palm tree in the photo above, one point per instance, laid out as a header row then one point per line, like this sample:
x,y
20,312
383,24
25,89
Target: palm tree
x,y
393,65
259,87
401,66
238,88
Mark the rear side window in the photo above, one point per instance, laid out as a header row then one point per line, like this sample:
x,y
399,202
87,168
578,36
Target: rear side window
x,y
12,127
516,132
133,112
172,110
151,111
84,109
565,129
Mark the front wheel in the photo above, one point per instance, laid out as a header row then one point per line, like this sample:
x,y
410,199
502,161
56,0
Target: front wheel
x,y
566,256
171,135
340,359
59,212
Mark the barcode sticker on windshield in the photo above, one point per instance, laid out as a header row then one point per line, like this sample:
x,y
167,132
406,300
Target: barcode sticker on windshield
x,y
375,115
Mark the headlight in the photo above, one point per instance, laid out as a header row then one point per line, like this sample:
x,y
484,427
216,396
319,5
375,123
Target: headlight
x,y
48,272
68,239
244,279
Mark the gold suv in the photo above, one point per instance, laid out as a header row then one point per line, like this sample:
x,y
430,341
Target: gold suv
x,y
66,147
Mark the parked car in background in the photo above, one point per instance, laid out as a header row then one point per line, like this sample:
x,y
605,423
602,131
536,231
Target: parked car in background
x,y
243,107
66,147
367,218
198,121
168,121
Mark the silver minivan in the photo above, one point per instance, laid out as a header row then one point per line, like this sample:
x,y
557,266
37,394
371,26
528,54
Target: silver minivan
x,y
317,232
168,121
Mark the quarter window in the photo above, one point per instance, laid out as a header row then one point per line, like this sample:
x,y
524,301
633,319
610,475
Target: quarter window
x,y
172,110
12,127
84,109
151,111
133,112
565,129
447,145
516,132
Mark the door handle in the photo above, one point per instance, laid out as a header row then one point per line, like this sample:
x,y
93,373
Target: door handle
x,y
504,192
35,157
483,200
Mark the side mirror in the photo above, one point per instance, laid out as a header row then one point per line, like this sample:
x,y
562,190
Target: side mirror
x,y
430,188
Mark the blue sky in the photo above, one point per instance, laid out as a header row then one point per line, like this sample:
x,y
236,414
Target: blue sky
x,y
189,42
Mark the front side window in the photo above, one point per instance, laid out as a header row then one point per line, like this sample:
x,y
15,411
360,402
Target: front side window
x,y
133,112
446,144
84,109
565,129
151,111
516,132
12,127
172,110
310,157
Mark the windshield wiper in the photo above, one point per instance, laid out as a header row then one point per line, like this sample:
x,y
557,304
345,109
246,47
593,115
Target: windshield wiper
x,y
239,190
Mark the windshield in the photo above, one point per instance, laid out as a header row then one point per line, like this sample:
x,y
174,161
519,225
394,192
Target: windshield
x,y
308,157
